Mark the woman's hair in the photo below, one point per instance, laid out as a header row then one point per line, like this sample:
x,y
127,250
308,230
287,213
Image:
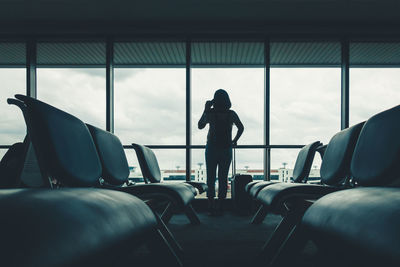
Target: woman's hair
x,y
221,100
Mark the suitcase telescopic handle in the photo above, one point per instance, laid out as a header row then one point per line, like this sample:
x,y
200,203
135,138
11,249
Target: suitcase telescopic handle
x,y
233,162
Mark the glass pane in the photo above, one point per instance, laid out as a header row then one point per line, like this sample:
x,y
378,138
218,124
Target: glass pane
x,y
245,87
171,162
150,106
305,104
80,92
248,161
283,162
372,90
12,124
2,153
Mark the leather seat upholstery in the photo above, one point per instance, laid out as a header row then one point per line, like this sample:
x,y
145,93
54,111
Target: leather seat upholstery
x,y
301,169
64,148
250,185
66,152
116,172
71,226
291,200
151,170
335,168
362,224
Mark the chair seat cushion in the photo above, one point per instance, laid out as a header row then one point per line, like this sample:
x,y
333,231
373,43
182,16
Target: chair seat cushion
x,y
255,189
179,193
250,185
70,227
364,220
276,194
202,187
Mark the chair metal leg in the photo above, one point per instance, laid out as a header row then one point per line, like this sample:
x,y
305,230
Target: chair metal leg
x,y
169,236
163,252
260,215
191,214
291,248
271,247
167,213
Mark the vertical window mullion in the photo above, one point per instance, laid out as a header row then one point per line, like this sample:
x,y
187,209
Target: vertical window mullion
x,y
267,151
345,78
110,85
31,80
188,111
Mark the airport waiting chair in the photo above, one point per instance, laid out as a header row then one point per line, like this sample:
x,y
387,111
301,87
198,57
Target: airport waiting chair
x,y
11,166
151,170
361,224
67,155
74,227
116,173
291,200
301,172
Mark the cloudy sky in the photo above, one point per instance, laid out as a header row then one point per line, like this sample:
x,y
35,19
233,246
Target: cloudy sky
x,y
150,105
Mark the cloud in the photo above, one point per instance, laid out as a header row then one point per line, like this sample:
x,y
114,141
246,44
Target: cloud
x,y
12,125
74,91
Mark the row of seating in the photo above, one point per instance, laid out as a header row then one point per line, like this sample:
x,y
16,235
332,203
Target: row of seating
x,y
106,219
361,223
89,168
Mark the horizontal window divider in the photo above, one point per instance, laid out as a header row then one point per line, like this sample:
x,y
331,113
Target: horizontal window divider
x,y
149,66
72,66
203,146
201,66
12,66
286,66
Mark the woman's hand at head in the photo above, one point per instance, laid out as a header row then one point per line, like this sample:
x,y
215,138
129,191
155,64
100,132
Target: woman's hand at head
x,y
208,105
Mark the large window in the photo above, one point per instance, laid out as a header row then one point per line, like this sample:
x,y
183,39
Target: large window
x,y
245,87
305,105
150,106
284,160
171,162
248,161
150,93
12,123
81,92
150,110
374,77
372,90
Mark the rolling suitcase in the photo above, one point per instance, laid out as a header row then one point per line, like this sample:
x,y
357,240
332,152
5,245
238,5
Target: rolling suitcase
x,y
241,201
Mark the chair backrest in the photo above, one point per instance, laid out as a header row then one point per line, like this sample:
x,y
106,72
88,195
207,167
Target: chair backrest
x,y
376,158
62,143
11,166
148,163
304,161
31,175
335,167
112,156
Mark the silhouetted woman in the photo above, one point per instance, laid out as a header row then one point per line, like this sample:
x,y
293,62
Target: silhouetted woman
x,y
218,114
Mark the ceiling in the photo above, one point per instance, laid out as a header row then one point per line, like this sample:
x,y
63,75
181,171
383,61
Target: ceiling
x,y
199,16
